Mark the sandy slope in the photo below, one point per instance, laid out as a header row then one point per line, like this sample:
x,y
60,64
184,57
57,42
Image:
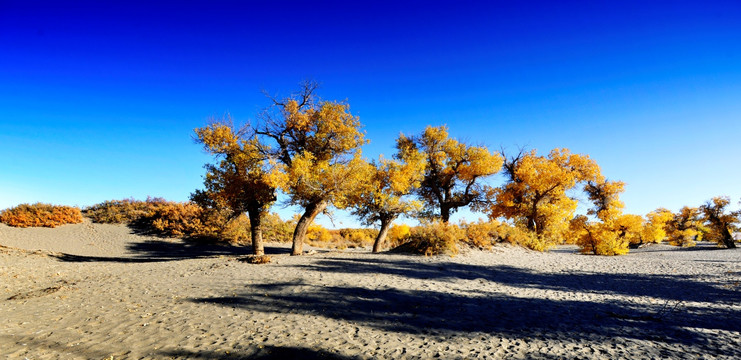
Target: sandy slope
x,y
96,291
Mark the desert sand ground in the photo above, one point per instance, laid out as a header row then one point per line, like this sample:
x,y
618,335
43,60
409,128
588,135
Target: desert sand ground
x,y
93,291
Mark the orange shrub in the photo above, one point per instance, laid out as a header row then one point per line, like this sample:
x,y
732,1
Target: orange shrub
x,y
181,220
167,218
123,211
41,215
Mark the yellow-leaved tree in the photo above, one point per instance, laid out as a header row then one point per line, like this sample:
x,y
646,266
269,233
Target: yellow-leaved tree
x,y
240,181
453,171
685,227
614,231
720,221
382,196
317,146
654,228
534,195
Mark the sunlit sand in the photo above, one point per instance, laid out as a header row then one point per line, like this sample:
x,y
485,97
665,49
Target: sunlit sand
x,y
92,291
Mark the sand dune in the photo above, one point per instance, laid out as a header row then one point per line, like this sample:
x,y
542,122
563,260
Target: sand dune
x,y
92,291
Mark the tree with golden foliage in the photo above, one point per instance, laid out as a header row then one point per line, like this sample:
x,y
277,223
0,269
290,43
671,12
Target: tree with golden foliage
x,y
720,222
599,238
317,146
382,197
685,227
454,170
654,228
605,196
614,231
240,182
535,193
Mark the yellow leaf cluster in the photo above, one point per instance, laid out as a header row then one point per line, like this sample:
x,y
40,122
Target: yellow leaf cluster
x,y
720,222
382,195
398,234
453,169
326,129
241,181
534,196
654,228
598,238
309,179
685,227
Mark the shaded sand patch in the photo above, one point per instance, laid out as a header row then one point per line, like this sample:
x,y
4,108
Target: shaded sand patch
x,y
139,297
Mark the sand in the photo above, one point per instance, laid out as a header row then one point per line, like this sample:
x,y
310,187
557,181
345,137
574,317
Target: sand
x,y
93,291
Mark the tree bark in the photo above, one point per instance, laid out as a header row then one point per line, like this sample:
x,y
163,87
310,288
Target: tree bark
x,y
299,234
256,230
385,225
444,213
728,239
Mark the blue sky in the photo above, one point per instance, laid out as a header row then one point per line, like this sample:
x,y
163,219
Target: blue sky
x,y
99,101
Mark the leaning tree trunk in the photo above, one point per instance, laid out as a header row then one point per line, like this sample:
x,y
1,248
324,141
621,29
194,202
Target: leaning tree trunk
x,y
385,225
299,234
728,239
256,229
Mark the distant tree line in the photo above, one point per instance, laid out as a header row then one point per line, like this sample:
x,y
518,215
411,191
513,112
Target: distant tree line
x,y
310,150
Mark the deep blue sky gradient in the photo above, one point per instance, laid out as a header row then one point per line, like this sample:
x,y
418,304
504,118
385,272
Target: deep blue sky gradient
x,y
98,101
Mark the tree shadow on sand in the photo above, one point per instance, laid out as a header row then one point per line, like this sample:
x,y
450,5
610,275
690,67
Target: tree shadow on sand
x,y
667,287
493,312
171,250
267,352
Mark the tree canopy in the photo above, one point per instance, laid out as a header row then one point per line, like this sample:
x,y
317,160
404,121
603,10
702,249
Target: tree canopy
x,y
317,146
383,196
534,195
241,180
721,222
454,170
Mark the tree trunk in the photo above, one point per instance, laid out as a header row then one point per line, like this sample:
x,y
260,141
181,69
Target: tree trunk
x,y
445,213
256,230
299,234
728,238
385,225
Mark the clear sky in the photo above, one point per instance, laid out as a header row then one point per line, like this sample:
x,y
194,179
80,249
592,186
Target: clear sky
x,y
99,101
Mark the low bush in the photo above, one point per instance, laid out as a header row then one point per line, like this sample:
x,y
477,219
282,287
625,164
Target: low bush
x,y
483,234
398,234
171,219
182,220
123,211
275,229
40,215
433,239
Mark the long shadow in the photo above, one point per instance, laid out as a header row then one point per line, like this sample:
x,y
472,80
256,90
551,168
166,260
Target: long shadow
x,y
667,287
266,352
161,251
420,312
700,246
676,319
262,353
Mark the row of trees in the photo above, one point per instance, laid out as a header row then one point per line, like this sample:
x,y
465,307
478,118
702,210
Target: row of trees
x,y
309,149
